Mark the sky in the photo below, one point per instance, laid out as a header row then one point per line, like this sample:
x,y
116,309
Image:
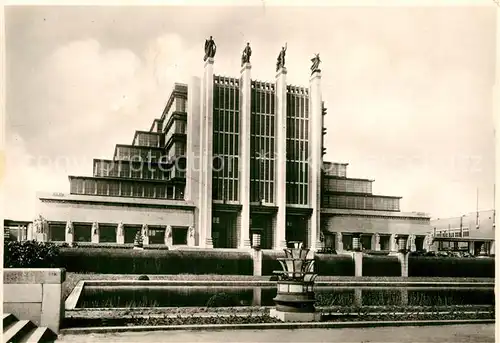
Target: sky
x,y
408,89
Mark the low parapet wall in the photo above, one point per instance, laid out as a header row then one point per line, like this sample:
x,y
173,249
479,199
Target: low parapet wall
x,y
35,294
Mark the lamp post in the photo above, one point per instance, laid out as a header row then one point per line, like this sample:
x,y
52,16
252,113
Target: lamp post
x,y
295,287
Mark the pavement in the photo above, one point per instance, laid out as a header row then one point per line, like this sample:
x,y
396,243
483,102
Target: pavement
x,y
479,333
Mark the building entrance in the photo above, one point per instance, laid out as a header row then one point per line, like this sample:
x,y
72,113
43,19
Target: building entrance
x,y
262,224
224,230
296,229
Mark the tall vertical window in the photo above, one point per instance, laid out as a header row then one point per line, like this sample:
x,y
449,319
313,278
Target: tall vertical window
x,y
297,143
262,142
226,138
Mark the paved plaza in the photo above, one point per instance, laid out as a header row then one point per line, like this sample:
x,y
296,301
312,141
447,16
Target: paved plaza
x,y
450,333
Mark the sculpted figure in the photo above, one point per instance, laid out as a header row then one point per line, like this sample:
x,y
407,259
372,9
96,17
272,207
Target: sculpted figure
x,y
69,227
315,63
210,48
145,230
245,57
280,63
120,229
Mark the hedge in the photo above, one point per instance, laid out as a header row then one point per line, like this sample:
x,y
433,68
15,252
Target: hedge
x,y
451,266
121,261
270,261
334,265
30,254
381,266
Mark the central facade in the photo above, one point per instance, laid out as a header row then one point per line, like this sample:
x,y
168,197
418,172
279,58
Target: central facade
x,y
228,159
255,166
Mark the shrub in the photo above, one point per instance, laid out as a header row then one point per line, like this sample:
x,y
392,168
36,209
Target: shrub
x,y
143,278
222,300
128,261
381,266
334,265
31,254
451,266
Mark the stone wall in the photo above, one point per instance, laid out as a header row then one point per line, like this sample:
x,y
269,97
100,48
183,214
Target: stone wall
x,y
35,294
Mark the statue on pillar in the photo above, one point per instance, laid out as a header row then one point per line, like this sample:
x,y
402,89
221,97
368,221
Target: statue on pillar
x,y
191,231
168,231
280,63
210,48
145,230
69,227
245,57
95,228
120,229
315,63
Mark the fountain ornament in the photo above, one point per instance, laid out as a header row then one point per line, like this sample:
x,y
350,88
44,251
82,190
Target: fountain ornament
x,y
295,287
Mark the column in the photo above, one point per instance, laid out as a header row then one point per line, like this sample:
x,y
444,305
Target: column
x,y
403,260
69,235
244,158
206,146
257,262
376,242
190,238
279,241
29,232
257,296
168,236
193,176
339,244
358,263
315,155
120,233
392,243
145,234
94,234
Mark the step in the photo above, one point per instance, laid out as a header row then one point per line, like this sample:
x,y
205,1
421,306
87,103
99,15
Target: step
x,y
39,335
17,330
8,318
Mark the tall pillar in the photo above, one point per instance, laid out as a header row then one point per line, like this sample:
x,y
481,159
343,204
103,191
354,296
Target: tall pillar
x,y
279,241
206,146
120,233
69,235
193,167
94,234
496,116
244,158
315,155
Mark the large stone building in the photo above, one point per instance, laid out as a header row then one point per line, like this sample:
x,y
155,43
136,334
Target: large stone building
x,y
228,158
